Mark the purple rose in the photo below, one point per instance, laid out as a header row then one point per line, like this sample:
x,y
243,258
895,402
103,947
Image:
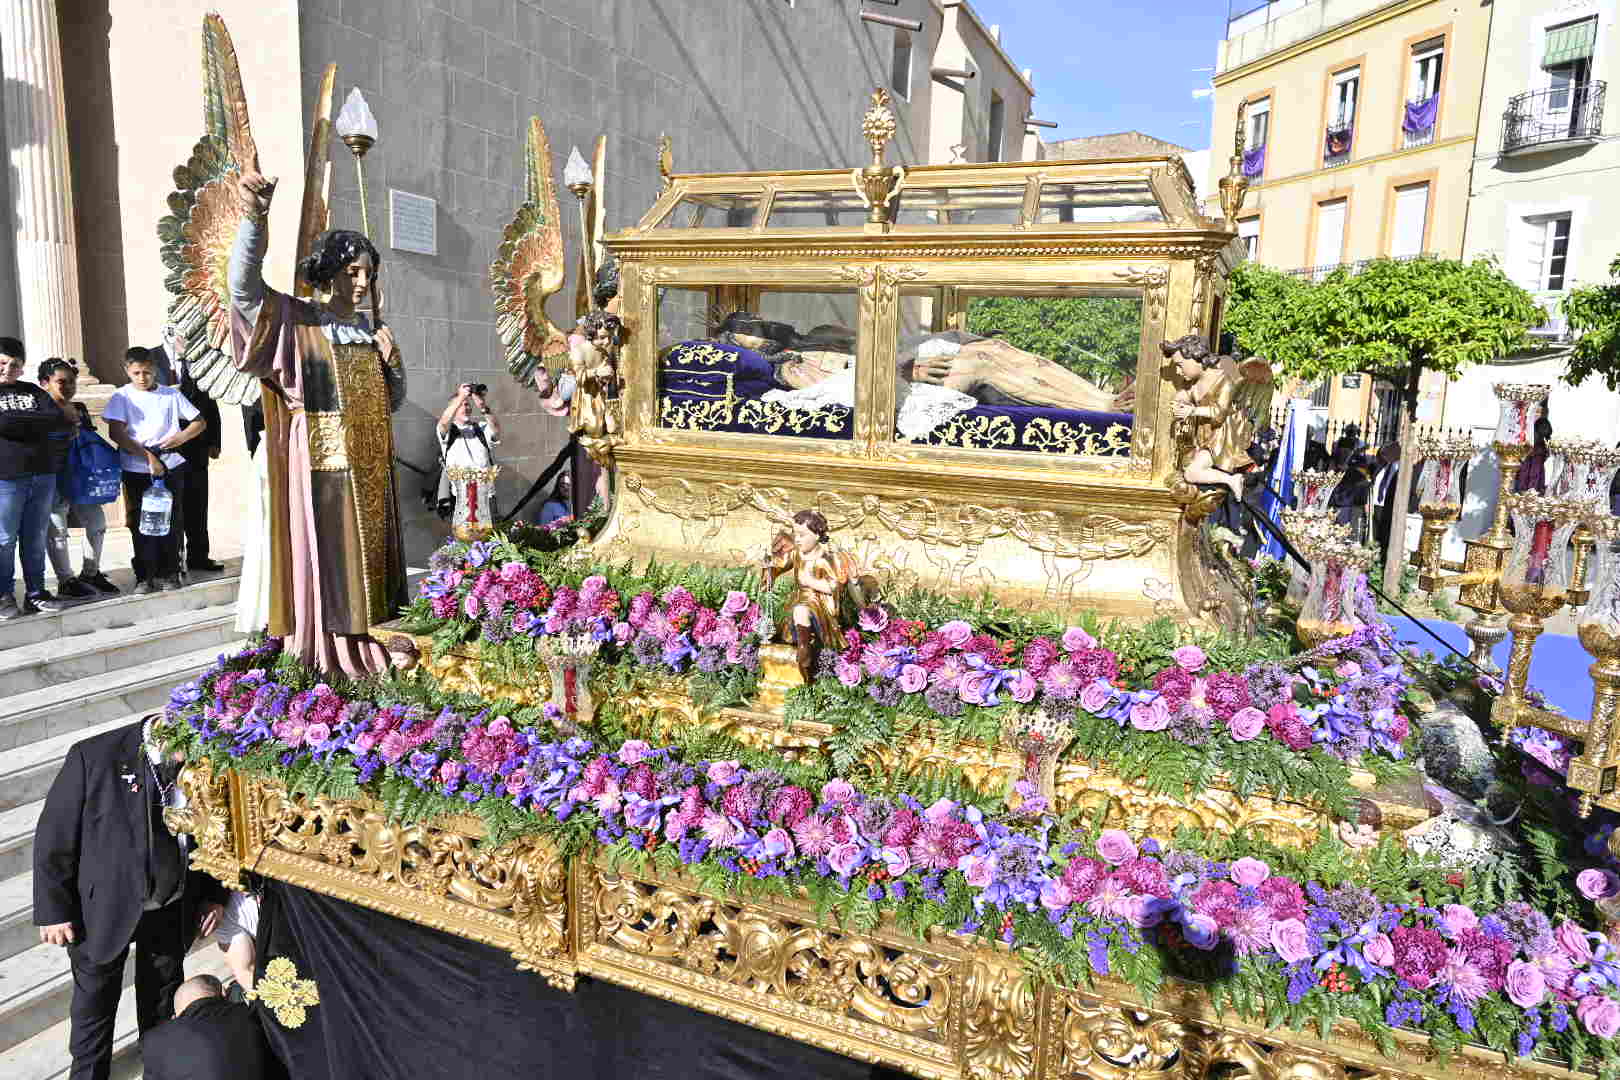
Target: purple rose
x,y
1097,696
634,751
979,870
1248,871
837,792
1021,686
956,633
849,673
1455,918
1288,937
845,857
1596,884
469,606
1379,950
872,619
725,772
1075,639
316,734
1574,942
1153,716
1189,658
1116,846
1056,896
913,678
736,603
939,810
1526,985
779,842
1246,723
975,685
621,632
1600,1015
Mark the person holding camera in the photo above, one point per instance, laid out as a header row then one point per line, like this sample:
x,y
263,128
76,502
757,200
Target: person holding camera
x,y
468,433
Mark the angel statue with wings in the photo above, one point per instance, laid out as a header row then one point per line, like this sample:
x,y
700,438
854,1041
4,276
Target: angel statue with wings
x,y
326,370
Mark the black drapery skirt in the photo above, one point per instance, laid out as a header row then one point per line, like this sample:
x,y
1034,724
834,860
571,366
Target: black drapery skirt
x,y
401,1001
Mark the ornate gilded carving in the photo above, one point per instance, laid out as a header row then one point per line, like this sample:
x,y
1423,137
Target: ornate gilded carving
x,y
1155,284
999,1031
206,817
512,897
883,281
1104,1042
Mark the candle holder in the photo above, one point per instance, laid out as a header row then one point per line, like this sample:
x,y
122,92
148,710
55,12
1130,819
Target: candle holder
x,y
1439,498
1535,584
1484,558
474,517
1313,487
568,658
1593,772
1328,611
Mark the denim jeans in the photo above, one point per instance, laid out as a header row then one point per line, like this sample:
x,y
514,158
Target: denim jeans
x,y
25,513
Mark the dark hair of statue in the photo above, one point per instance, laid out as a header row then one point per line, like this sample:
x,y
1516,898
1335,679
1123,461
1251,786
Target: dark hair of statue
x,y
10,346
815,522
334,250
595,322
777,335
1193,347
50,367
606,286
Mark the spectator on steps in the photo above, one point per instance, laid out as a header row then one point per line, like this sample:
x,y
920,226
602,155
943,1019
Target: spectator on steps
x,y
198,453
108,874
34,435
150,423
238,930
60,379
210,1038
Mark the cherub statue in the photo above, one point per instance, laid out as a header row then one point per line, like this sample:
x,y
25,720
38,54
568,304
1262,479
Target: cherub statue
x,y
593,355
1220,407
811,622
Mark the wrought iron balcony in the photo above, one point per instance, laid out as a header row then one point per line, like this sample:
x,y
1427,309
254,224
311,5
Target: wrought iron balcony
x,y
1546,119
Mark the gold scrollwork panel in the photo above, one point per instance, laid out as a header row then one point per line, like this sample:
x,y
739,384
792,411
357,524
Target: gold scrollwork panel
x,y
513,897
207,818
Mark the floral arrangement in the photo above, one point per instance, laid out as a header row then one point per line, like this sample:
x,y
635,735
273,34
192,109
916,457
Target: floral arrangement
x,y
1392,941
1350,701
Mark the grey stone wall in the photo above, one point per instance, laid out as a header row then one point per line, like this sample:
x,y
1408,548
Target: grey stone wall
x,y
738,85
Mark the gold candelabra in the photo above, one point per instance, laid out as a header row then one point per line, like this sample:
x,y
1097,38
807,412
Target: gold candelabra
x,y
1534,561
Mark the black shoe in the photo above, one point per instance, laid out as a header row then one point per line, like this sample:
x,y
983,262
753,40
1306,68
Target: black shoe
x,y
41,601
74,589
205,564
99,582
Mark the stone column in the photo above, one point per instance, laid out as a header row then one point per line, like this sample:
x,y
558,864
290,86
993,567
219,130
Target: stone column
x,y
42,183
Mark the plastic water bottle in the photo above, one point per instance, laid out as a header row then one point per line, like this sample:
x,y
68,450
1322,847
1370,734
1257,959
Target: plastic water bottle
x,y
156,506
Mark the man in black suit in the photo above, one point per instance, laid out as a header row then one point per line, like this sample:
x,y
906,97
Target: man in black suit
x,y
198,453
108,873
208,1039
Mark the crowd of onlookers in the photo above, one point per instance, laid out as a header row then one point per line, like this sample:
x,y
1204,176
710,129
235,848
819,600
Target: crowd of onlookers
x,y
57,473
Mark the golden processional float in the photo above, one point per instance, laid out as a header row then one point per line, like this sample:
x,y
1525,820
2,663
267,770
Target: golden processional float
x,y
835,353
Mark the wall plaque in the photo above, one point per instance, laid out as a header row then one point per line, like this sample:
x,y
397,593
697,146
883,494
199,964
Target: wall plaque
x,y
413,222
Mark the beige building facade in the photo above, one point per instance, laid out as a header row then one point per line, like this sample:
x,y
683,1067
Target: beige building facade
x,y
1361,130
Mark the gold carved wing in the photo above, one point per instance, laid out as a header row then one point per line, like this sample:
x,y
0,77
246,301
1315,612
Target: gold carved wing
x,y
530,267
195,237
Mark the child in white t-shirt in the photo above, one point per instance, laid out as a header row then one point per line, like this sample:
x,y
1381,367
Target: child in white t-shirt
x,y
237,934
149,422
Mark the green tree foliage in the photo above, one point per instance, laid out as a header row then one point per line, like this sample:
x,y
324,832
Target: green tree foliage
x,y
1593,312
1097,337
1434,314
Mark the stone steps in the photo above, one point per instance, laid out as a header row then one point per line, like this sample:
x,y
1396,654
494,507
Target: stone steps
x,y
89,616
60,660
51,711
40,1012
26,772
17,838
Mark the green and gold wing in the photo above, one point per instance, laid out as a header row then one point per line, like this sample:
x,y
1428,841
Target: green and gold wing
x,y
530,267
197,234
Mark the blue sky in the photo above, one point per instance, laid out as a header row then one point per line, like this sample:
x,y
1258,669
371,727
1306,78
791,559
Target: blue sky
x,y
1106,67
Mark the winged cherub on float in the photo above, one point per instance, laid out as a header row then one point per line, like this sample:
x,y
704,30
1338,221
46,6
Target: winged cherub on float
x,y
1219,409
326,369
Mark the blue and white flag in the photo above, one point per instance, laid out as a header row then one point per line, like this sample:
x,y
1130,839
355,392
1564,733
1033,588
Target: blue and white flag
x,y
1279,495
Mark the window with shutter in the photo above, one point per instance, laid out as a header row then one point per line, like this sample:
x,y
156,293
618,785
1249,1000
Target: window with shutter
x,y
1329,235
1249,233
1411,218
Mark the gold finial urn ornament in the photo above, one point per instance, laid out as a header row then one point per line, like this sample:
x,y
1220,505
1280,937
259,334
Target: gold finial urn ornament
x,y
878,184
1235,185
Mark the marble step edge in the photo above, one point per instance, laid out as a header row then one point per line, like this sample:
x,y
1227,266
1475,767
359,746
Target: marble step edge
x,y
26,771
19,708
78,646
126,609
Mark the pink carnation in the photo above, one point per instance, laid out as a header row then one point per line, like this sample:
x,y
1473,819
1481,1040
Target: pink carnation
x,y
791,805
1039,655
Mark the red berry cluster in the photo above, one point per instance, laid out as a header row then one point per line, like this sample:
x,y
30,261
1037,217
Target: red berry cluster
x,y
876,873
1335,981
749,866
1006,922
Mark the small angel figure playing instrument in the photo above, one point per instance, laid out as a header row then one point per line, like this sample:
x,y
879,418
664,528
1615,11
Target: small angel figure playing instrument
x,y
593,353
1219,405
812,616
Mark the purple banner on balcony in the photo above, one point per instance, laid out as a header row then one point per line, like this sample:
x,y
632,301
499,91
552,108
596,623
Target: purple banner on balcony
x,y
1338,142
1420,115
1254,162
